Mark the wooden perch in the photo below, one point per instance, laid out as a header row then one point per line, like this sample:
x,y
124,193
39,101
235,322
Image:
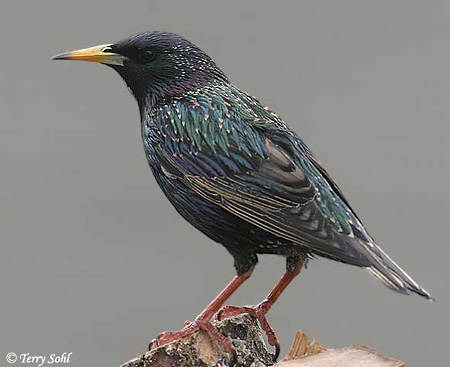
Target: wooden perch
x,y
197,350
312,354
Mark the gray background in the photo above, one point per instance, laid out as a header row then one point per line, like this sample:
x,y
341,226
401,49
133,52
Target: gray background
x,y
95,261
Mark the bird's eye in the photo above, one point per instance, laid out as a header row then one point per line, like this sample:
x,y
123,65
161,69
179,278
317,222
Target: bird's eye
x,y
145,56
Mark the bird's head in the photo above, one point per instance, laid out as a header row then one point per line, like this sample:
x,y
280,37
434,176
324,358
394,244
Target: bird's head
x,y
154,65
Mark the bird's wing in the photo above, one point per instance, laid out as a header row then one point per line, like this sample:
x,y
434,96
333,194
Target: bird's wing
x,y
250,172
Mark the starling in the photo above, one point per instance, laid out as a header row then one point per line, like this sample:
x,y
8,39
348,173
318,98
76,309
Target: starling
x,y
234,169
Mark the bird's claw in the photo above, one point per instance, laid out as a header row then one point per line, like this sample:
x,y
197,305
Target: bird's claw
x,y
277,352
191,327
258,312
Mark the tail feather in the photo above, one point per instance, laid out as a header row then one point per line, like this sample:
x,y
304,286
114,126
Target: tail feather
x,y
386,270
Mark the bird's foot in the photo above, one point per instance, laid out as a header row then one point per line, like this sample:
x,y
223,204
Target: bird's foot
x,y
259,312
192,327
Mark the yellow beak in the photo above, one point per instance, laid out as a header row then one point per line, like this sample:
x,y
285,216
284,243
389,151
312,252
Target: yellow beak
x,y
100,54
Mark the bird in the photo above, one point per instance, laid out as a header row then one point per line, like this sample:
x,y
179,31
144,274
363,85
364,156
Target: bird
x,y
238,173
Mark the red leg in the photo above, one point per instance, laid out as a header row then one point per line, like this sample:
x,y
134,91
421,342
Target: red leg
x,y
279,288
203,321
260,310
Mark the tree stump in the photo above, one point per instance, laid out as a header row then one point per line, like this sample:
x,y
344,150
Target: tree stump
x,y
198,350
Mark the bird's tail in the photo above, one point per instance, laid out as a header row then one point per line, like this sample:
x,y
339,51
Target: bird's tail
x,y
386,270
